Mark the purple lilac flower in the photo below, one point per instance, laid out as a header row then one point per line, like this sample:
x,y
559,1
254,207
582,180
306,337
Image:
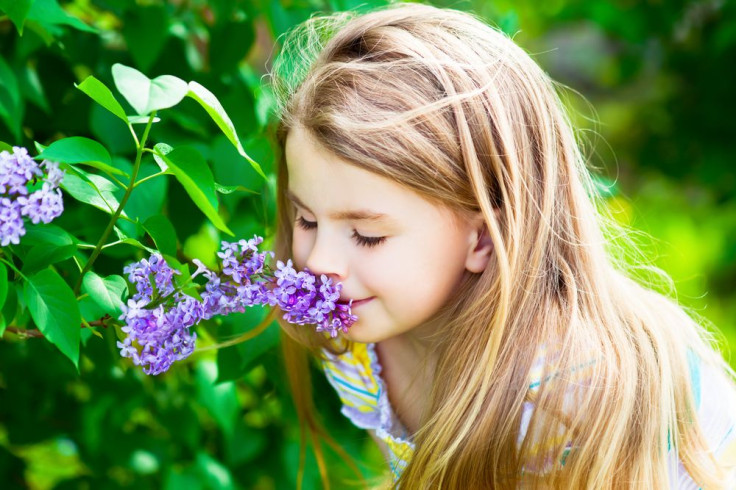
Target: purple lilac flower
x,y
159,317
161,331
17,171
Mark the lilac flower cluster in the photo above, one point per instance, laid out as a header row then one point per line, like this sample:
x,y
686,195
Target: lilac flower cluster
x,y
306,302
17,171
160,330
158,318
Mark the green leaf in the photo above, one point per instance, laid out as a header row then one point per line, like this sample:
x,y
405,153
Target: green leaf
x,y
162,149
31,88
17,11
142,119
215,475
106,292
204,245
235,361
3,284
230,44
80,150
162,232
48,235
51,244
213,107
146,200
145,29
178,478
99,92
49,14
229,189
92,189
54,309
6,147
220,400
90,310
10,307
191,170
146,95
130,241
11,105
183,280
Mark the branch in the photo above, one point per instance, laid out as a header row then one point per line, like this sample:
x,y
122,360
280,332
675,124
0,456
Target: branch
x,y
35,333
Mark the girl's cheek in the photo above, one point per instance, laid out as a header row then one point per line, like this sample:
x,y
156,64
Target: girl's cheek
x,y
299,248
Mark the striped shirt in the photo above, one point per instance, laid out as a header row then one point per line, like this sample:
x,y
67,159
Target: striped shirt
x,y
356,376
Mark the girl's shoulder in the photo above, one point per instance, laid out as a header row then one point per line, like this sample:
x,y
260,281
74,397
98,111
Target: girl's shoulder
x,y
355,376
714,392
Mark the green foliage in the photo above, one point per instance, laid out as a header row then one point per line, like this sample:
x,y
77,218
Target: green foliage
x,y
55,312
159,165
192,172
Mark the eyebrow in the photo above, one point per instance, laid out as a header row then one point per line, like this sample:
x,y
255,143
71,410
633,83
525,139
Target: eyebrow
x,y
353,215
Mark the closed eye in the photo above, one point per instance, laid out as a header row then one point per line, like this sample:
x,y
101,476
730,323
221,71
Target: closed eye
x,y
307,225
368,241
363,241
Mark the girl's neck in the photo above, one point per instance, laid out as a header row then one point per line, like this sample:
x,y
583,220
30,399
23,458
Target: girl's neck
x,y
408,371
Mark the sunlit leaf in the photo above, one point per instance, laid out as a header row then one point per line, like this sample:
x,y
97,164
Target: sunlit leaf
x,y
162,149
146,95
215,475
93,189
142,119
77,149
99,92
106,292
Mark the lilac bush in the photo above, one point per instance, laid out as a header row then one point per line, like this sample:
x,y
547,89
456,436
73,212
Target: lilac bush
x,y
17,171
158,317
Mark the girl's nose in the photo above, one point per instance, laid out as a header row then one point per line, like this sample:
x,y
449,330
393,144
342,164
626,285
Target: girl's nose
x,y
326,258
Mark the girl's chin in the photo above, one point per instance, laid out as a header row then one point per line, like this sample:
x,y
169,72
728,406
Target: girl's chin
x,y
356,333
363,334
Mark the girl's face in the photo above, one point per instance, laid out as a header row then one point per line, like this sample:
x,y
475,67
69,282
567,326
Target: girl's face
x,y
398,256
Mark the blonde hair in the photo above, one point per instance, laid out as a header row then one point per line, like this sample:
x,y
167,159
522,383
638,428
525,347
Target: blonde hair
x,y
439,101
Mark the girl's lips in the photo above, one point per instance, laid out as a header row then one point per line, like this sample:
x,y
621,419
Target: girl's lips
x,y
358,302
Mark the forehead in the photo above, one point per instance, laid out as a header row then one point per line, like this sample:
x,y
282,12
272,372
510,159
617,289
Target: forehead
x,y
326,183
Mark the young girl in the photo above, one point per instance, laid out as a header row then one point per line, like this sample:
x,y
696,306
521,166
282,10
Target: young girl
x,y
428,165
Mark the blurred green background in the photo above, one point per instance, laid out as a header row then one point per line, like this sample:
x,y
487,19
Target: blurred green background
x,y
651,91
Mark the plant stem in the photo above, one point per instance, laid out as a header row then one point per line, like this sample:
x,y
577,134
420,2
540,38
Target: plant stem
x,y
115,179
35,333
123,201
12,266
149,178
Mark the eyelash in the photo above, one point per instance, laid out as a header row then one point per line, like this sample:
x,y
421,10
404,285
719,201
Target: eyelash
x,y
363,241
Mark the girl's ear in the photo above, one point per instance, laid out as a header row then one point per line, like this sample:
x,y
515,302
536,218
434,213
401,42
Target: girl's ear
x,y
480,247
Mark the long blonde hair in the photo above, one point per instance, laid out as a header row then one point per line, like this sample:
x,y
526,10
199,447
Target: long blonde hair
x,y
439,101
